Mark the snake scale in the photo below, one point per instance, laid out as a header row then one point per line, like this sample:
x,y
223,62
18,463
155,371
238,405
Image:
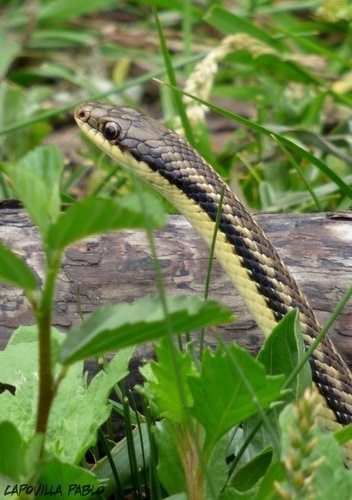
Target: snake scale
x,y
166,161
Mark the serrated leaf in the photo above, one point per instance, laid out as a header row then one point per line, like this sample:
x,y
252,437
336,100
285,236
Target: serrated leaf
x,y
166,387
222,398
284,349
14,271
97,215
36,180
113,327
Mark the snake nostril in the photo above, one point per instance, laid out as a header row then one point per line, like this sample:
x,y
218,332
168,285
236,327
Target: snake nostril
x,y
81,113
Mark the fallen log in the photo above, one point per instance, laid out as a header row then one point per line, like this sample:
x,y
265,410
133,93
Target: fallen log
x,y
118,267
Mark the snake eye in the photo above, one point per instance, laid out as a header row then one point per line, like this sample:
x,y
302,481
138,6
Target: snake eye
x,y
111,131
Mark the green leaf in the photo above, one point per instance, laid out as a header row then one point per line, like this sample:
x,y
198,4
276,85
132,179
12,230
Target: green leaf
x,y
344,434
67,481
17,105
22,470
166,386
78,409
232,494
14,271
284,349
13,49
98,215
267,488
222,397
169,458
249,474
281,353
12,463
113,327
36,180
64,10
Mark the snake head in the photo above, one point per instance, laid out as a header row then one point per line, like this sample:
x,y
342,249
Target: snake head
x,y
124,127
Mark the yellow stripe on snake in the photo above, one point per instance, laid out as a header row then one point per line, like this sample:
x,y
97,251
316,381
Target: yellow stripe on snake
x,y
167,162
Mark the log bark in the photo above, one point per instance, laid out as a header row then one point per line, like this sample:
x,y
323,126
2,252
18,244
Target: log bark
x,y
118,267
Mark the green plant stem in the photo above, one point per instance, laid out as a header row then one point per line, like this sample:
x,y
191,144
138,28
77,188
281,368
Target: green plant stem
x,y
43,316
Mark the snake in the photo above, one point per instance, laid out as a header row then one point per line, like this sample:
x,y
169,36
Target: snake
x,y
165,160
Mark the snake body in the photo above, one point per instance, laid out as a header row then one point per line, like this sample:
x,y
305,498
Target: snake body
x,y
166,161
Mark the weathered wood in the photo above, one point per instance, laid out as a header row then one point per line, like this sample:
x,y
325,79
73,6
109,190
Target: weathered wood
x,y
117,267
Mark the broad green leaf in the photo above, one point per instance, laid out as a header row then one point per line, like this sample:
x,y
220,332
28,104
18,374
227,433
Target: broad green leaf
x,y
249,474
98,215
36,180
113,327
284,349
67,481
166,387
78,409
21,469
47,164
14,271
12,463
222,398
